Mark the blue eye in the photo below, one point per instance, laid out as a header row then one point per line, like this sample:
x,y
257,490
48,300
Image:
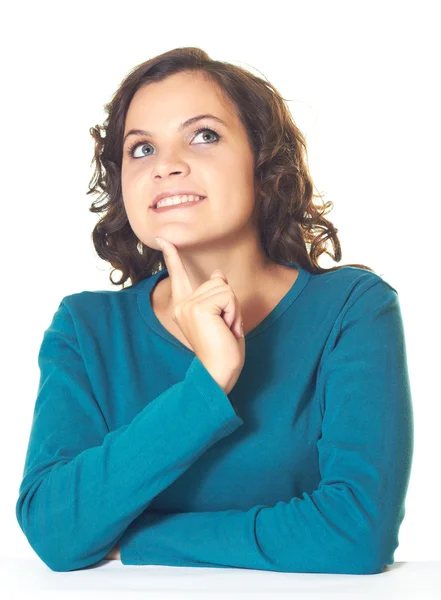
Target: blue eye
x,y
131,149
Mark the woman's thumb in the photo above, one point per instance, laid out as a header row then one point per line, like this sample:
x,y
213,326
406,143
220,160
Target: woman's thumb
x,y
218,273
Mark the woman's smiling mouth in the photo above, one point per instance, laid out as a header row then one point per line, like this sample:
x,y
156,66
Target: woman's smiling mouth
x,y
186,204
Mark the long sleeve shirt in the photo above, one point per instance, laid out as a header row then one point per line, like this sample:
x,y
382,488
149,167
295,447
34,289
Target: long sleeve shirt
x,y
303,467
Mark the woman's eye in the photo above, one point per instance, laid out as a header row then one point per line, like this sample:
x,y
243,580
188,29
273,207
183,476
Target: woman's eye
x,y
210,132
132,149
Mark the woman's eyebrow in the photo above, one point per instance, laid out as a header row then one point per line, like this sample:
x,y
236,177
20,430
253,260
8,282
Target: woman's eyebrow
x,y
182,126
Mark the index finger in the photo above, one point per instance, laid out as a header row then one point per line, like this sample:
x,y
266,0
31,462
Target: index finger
x,y
180,282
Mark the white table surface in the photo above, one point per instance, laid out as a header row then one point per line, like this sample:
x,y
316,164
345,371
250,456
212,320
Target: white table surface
x,y
31,578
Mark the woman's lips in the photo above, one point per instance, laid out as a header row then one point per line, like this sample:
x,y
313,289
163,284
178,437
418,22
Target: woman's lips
x,y
182,205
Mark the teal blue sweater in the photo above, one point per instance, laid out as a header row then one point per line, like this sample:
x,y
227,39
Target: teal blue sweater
x,y
303,467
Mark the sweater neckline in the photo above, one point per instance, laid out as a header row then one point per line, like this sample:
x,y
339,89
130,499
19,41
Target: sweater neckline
x,y
146,310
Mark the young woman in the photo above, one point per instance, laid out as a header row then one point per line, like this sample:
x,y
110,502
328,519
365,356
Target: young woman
x,y
160,434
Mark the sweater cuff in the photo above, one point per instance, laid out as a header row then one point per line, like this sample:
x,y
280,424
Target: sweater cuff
x,y
215,396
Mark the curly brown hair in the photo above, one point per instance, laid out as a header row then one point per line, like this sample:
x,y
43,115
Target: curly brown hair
x,y
292,227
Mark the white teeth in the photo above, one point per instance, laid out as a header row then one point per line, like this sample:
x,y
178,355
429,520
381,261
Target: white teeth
x,y
177,200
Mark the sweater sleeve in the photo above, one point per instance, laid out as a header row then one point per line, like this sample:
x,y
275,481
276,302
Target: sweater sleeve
x,y
82,484
350,523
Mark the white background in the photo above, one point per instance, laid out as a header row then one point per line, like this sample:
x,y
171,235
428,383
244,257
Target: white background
x,y
363,83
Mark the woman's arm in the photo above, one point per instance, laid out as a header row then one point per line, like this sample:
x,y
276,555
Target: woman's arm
x,y
350,523
82,484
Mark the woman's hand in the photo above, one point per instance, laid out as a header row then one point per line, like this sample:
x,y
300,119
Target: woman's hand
x,y
114,553
209,317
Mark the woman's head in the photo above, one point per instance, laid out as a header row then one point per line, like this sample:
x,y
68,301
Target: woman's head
x,y
211,156
252,167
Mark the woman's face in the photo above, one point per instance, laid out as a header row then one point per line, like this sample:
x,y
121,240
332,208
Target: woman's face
x,y
169,157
